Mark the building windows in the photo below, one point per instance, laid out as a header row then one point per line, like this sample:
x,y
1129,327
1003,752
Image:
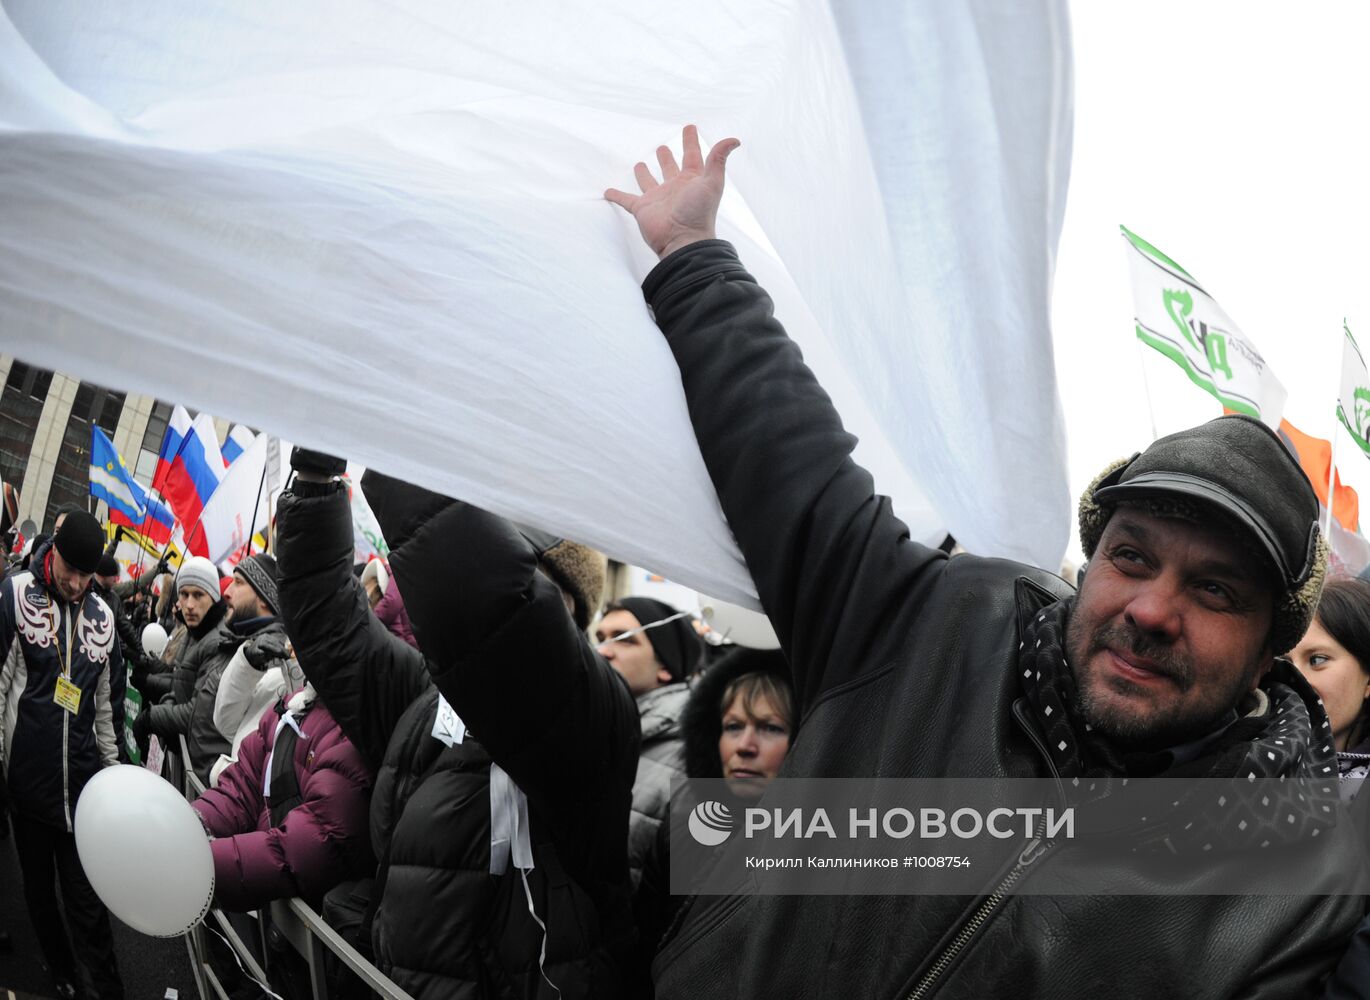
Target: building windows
x,y
146,462
21,406
29,382
94,406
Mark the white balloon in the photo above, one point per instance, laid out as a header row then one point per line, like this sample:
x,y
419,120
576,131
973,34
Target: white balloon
x,y
144,851
154,639
739,625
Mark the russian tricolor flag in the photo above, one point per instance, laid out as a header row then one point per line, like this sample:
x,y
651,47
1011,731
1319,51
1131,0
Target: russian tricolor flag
x,y
189,466
239,440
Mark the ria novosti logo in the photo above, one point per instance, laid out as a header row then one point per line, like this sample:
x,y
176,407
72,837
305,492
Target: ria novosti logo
x,y
710,823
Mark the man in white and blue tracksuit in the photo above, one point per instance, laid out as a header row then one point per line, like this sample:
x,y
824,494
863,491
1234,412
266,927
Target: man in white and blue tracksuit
x,y
61,669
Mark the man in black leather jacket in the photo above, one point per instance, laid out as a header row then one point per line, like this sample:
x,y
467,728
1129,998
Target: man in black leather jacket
x,y
909,664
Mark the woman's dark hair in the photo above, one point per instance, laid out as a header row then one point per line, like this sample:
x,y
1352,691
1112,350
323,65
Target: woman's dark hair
x,y
1344,612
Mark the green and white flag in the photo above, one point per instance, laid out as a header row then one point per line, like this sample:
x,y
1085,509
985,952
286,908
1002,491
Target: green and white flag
x,y
1353,401
1178,318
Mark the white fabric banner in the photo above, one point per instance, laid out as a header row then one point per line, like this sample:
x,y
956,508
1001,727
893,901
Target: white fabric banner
x,y
382,235
1182,321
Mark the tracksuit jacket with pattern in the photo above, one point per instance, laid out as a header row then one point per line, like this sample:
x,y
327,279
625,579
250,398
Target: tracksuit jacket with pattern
x,y
48,753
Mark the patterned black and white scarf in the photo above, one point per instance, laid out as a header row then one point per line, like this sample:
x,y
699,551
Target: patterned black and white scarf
x,y
1281,738
1049,684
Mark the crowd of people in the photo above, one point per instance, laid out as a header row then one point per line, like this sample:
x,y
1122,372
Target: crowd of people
x,y
463,757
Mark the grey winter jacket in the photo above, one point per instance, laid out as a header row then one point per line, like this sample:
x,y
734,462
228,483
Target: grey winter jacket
x,y
662,757
170,719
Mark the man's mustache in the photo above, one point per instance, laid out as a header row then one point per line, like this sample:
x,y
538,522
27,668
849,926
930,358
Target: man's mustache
x,y
1158,656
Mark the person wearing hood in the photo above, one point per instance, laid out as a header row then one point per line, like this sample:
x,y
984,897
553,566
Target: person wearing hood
x,y
1206,562
654,647
738,725
504,750
58,658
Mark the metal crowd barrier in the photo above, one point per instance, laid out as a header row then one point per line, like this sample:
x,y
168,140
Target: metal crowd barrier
x,y
299,925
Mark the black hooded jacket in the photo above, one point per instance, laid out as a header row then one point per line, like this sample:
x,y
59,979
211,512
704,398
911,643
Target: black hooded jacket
x,y
535,698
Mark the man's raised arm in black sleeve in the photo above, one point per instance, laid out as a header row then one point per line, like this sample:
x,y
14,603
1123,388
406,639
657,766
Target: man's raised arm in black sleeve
x,y
507,654
832,564
366,676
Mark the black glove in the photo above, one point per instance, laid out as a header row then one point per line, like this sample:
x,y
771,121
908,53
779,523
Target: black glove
x,y
137,675
304,460
261,653
142,726
162,566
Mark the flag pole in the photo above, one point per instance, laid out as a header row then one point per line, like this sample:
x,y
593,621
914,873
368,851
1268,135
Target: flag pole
x,y
154,491
1146,384
252,522
1331,485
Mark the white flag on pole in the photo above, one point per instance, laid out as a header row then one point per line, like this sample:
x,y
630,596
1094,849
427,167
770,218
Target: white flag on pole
x,y
1177,317
238,508
1353,397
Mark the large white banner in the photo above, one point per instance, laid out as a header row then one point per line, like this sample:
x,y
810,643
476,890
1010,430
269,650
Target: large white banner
x,y
381,234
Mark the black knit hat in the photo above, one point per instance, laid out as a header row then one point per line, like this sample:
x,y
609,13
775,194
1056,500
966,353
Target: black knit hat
x,y
676,644
260,573
1237,466
80,541
109,566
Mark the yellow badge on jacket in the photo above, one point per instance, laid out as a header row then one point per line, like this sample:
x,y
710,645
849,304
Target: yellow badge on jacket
x,y
68,695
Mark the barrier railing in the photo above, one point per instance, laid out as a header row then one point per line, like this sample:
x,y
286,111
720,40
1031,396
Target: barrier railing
x,y
297,923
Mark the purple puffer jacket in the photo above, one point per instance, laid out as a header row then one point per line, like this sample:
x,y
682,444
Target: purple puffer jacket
x,y
322,841
390,610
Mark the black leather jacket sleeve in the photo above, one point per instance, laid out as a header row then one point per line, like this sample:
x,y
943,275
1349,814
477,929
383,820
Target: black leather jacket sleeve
x,y
366,676
828,556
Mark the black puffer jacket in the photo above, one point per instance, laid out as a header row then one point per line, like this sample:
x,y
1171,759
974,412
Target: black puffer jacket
x,y
905,665
535,697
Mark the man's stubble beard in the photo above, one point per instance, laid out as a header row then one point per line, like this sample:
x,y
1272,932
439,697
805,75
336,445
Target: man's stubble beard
x,y
1123,725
